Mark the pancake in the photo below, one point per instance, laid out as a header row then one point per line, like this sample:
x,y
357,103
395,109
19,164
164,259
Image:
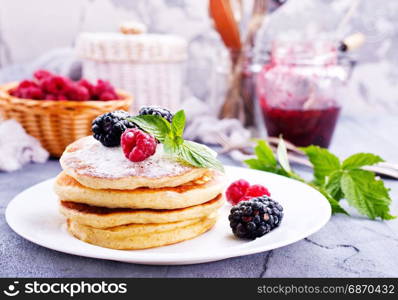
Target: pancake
x,y
100,167
139,236
102,217
193,193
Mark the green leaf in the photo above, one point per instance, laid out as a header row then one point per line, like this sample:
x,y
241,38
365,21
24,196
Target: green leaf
x,y
333,185
178,140
178,123
333,179
265,159
336,207
170,146
324,162
170,135
257,164
157,126
361,159
334,204
199,155
267,162
367,194
264,153
281,153
186,156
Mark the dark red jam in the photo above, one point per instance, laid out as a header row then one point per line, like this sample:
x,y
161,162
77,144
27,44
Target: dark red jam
x,y
301,127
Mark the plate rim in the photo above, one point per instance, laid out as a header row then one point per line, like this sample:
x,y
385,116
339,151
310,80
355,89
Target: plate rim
x,y
168,258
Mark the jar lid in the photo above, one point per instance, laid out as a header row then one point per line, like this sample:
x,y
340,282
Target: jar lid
x,y
142,47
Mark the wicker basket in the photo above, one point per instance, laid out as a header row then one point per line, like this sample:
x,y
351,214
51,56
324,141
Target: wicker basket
x,y
148,65
56,124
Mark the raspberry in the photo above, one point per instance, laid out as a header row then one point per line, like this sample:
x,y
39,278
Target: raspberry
x,y
50,97
257,190
26,84
77,92
88,85
103,86
107,96
62,97
55,85
137,145
241,190
13,92
104,91
32,93
236,191
49,86
27,89
41,74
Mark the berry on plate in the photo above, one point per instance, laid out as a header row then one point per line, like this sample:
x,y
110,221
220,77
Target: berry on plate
x,y
236,191
138,145
256,217
255,190
241,190
108,128
156,111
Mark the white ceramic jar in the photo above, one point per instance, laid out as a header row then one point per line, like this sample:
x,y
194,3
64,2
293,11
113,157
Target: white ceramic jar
x,y
149,66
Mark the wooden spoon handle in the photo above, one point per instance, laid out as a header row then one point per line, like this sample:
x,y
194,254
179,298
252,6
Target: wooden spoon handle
x,y
224,22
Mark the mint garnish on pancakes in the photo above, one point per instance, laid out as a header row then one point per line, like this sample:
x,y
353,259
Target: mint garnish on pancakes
x,y
171,136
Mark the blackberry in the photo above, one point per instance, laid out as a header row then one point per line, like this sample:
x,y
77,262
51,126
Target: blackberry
x,y
108,128
255,217
156,111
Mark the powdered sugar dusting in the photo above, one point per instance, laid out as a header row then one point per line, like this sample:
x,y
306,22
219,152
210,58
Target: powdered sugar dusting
x,y
90,157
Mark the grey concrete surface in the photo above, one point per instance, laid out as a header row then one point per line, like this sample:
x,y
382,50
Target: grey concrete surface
x,y
346,246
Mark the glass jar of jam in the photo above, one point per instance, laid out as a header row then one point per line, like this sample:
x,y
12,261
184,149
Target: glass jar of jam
x,y
300,91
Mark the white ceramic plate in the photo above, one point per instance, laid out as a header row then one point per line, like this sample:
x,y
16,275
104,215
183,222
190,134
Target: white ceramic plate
x,y
33,214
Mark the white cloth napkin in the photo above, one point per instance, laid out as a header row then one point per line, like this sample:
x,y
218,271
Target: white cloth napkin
x,y
17,148
204,126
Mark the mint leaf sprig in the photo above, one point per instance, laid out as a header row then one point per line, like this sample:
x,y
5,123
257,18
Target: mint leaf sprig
x,y
171,136
336,180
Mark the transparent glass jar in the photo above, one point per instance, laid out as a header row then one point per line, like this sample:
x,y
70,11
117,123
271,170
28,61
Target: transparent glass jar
x,y
300,91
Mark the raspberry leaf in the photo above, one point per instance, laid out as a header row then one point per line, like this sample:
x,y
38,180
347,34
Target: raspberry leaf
x,y
360,160
367,194
324,162
334,204
265,161
264,153
259,165
156,126
334,180
333,185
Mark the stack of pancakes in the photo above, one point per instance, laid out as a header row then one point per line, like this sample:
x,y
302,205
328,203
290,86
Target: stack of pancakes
x,y
112,202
